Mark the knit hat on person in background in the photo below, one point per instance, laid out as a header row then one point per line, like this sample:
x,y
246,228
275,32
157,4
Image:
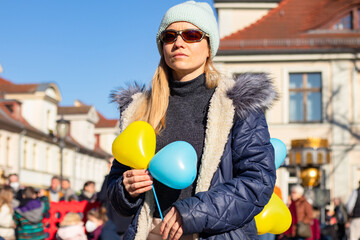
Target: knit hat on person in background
x,y
199,14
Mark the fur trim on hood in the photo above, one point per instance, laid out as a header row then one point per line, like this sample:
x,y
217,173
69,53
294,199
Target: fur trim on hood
x,y
123,96
250,92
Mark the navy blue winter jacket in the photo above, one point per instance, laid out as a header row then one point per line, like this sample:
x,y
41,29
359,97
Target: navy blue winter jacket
x,y
237,172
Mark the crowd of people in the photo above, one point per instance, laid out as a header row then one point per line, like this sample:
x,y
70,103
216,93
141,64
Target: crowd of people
x,y
338,223
23,208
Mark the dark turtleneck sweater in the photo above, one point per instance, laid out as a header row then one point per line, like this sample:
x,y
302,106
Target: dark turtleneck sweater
x,y
186,119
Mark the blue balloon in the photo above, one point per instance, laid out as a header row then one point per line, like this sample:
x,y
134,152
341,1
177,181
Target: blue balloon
x,y
280,151
175,165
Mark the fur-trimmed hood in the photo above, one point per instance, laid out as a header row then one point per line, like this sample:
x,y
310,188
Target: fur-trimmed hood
x,y
249,92
252,92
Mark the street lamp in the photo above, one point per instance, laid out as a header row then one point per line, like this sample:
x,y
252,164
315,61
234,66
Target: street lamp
x,y
62,128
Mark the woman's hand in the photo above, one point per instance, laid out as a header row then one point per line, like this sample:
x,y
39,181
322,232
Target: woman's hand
x,y
137,182
172,224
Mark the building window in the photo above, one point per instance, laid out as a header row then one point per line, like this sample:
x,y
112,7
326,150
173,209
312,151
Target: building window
x,y
305,97
35,155
47,159
7,157
25,157
48,120
344,23
350,21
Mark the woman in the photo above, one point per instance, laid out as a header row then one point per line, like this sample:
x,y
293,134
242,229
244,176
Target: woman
x,y
7,224
301,211
221,118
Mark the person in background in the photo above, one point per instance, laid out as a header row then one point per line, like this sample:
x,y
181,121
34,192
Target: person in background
x,y
7,224
40,193
68,193
328,229
341,217
121,222
13,182
300,209
29,215
353,209
71,228
98,227
221,117
53,193
88,193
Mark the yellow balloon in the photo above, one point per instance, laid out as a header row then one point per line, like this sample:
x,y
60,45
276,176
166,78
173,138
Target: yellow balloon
x,y
135,146
275,218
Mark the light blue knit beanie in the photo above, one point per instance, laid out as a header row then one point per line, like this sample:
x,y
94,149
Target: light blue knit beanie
x,y
199,14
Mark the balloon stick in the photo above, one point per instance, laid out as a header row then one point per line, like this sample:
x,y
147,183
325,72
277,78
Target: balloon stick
x,y
157,202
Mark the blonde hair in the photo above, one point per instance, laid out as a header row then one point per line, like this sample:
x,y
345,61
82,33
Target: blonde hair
x,y
71,218
6,196
153,109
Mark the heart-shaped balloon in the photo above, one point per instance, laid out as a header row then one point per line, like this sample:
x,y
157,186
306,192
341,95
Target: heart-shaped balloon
x,y
280,151
175,165
135,146
275,218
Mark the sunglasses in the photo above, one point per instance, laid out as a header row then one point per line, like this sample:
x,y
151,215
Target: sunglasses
x,y
188,35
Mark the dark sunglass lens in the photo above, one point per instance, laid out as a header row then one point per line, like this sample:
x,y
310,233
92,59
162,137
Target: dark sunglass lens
x,y
168,37
192,35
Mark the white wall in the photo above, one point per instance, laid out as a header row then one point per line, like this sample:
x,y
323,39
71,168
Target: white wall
x,y
233,17
40,113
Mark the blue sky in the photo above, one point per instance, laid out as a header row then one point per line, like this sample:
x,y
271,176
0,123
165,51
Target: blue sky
x,y
86,47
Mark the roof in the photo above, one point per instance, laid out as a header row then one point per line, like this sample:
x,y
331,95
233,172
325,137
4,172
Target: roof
x,y
4,81
9,87
106,123
73,110
19,88
18,123
296,24
96,151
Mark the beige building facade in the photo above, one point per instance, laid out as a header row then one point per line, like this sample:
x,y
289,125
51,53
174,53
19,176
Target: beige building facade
x,y
319,87
29,145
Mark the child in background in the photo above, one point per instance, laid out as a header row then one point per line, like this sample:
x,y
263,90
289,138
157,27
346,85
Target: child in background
x,y
71,228
29,215
7,224
98,227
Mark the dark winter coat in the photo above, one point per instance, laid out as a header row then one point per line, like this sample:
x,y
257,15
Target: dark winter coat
x,y
237,172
